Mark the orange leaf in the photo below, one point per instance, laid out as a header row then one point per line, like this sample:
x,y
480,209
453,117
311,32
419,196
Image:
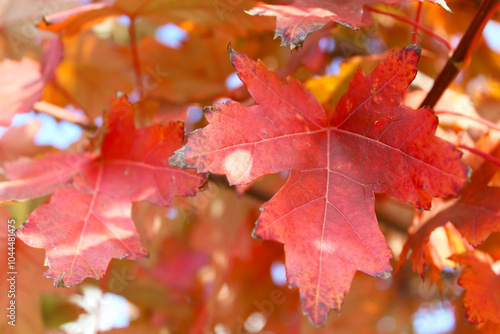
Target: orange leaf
x,y
481,281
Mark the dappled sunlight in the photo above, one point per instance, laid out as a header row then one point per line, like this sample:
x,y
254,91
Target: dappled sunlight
x,y
238,164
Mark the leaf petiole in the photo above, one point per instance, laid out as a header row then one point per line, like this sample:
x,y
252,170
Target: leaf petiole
x,y
414,23
481,120
482,154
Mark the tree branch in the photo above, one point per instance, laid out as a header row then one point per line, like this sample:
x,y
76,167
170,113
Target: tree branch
x,y
264,196
62,114
461,56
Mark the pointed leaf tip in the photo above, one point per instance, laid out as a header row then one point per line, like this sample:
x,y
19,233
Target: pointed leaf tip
x,y
230,49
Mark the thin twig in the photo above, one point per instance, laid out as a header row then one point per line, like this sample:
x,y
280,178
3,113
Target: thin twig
x,y
483,155
489,124
414,23
62,114
135,52
461,56
417,19
70,97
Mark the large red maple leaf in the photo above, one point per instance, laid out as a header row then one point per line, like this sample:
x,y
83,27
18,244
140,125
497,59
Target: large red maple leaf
x,y
302,17
88,219
325,212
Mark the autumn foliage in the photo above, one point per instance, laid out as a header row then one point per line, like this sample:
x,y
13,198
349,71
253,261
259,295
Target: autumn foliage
x,y
226,142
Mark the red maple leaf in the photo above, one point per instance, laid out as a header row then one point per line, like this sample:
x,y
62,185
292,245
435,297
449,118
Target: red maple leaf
x,y
302,17
88,219
476,215
481,281
81,233
35,178
325,212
